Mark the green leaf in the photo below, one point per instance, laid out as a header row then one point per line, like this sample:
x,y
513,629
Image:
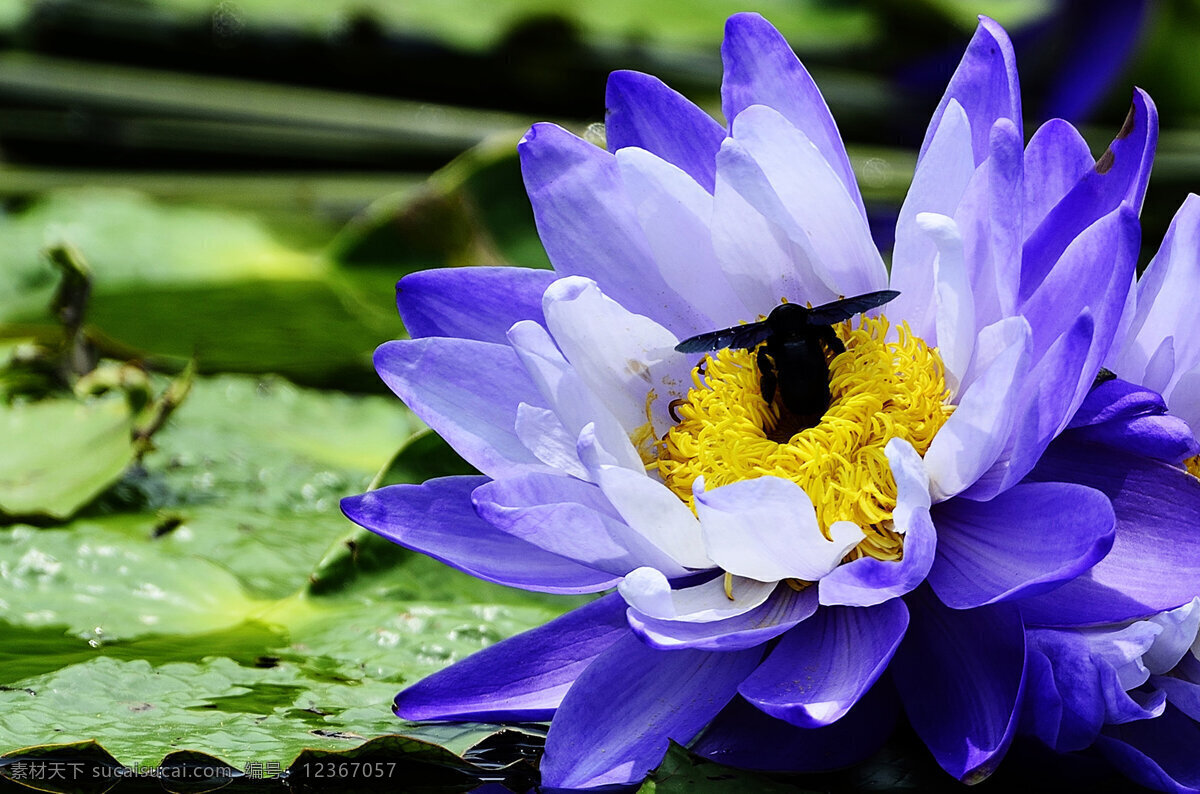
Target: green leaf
x,y
424,456
471,212
104,585
329,684
180,603
172,282
60,453
248,475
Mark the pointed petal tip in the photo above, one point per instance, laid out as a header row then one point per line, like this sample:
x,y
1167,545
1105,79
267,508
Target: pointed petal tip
x,y
998,34
543,132
744,19
351,506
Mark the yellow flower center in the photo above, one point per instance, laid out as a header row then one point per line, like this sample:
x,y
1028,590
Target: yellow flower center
x,y
1192,465
879,390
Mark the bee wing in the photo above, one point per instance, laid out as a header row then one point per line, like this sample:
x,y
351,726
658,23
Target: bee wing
x,y
846,308
739,336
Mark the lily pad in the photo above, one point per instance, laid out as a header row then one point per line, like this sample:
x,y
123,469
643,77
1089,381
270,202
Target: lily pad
x,y
328,685
103,586
176,613
174,282
60,453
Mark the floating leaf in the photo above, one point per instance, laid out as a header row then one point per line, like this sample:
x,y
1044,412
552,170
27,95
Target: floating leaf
x,y
176,613
173,282
60,453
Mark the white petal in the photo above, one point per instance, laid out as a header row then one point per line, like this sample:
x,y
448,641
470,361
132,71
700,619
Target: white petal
x,y
912,482
766,529
648,591
955,305
1166,293
543,434
570,398
1160,369
938,185
1183,399
1124,650
761,260
819,205
652,510
1179,627
676,214
978,430
621,356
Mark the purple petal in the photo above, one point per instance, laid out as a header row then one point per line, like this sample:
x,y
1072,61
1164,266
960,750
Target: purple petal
x,y
761,69
1068,689
589,228
1119,176
1165,437
997,256
1154,564
866,581
743,736
1096,271
1133,419
985,84
1045,407
471,302
571,518
821,668
1025,541
1159,753
1056,158
436,518
1181,693
1117,400
615,723
783,610
522,678
643,112
440,380
960,675
1042,710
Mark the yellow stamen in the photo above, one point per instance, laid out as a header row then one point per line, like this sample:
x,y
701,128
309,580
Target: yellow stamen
x,y
1192,465
879,389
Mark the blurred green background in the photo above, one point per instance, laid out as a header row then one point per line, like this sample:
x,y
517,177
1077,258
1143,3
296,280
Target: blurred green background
x,y
246,181
248,178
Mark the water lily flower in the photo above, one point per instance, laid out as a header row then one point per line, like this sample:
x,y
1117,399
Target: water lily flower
x,y
782,589
1132,689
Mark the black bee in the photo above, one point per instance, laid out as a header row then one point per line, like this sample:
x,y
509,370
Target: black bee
x,y
793,358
